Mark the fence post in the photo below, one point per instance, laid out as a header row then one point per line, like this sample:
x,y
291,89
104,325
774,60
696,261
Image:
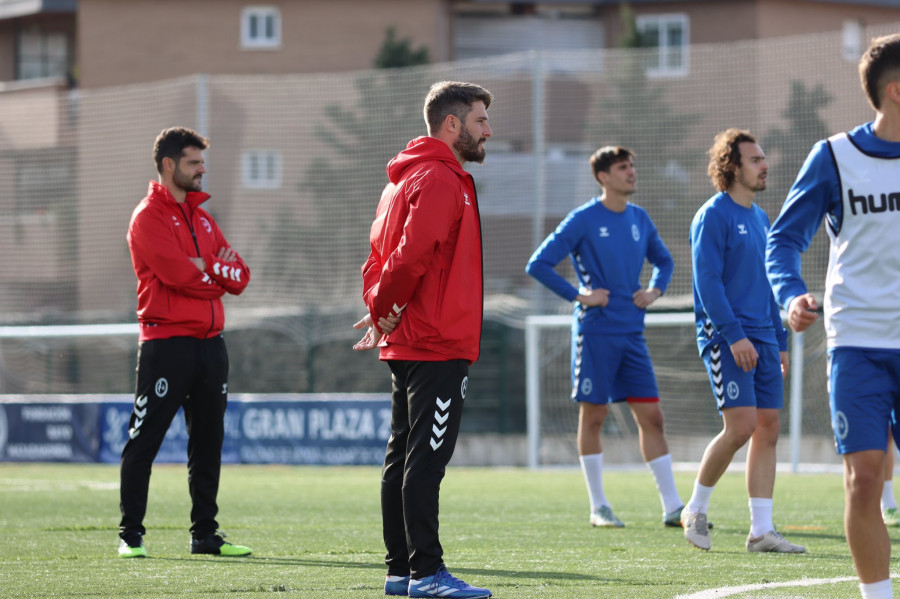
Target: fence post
x,y
202,115
796,398
532,391
538,102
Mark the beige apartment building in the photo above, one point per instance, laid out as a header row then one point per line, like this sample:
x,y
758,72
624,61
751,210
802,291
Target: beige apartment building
x,y
86,84
102,43
129,41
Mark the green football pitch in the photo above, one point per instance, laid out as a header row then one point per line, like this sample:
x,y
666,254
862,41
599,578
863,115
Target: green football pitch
x,y
316,532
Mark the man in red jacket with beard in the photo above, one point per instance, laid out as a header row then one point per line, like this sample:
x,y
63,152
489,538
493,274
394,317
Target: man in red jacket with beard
x,y
422,285
184,266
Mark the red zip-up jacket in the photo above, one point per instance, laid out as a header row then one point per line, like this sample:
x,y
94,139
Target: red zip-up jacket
x,y
175,299
426,257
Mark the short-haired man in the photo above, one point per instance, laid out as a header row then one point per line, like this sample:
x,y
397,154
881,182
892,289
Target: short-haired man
x,y
740,337
184,266
852,181
608,239
426,264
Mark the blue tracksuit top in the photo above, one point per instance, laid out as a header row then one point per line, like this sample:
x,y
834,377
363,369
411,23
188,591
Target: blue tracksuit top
x,y
608,250
732,297
815,194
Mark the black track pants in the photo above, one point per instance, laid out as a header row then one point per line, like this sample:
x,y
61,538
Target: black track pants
x,y
172,373
426,404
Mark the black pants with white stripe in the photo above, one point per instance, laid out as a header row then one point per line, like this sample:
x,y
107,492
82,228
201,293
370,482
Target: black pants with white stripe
x,y
171,373
426,408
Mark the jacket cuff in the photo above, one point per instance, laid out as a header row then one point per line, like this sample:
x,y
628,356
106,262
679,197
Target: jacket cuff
x,y
733,333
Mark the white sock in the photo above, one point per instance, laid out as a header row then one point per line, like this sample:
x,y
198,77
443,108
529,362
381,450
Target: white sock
x,y
883,589
592,468
887,496
760,516
700,499
665,482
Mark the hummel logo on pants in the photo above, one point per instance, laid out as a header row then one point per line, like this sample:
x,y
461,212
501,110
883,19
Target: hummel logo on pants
x,y
440,416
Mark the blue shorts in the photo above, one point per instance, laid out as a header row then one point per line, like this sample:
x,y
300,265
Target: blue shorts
x,y
762,387
611,368
864,392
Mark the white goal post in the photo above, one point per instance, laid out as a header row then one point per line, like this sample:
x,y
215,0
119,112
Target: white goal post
x,y
535,325
68,330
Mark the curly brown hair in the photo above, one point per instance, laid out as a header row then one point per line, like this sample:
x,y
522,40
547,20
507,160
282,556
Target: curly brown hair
x,y
879,65
725,156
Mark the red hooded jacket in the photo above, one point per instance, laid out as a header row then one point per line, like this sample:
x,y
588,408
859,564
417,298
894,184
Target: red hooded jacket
x,y
426,257
175,299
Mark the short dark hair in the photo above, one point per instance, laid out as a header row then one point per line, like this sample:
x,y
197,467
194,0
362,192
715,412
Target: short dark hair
x,y
879,65
725,156
605,157
452,97
171,142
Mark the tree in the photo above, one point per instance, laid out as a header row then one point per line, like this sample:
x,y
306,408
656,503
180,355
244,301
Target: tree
x,y
630,38
792,144
804,128
395,54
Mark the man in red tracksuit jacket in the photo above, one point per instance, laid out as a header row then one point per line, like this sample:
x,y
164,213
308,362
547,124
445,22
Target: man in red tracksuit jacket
x,y
184,266
422,285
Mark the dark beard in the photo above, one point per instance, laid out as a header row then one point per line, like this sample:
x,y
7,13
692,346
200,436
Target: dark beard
x,y
467,147
184,182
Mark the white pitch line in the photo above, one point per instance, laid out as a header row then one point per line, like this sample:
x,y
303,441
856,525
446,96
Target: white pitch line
x,y
727,591
30,484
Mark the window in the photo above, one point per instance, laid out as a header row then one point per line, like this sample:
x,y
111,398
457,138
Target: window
x,y
569,42
261,169
41,186
852,47
42,54
669,34
261,27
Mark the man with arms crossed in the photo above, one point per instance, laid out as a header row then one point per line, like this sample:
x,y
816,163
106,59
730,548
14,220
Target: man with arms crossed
x,y
608,239
852,180
740,337
184,266
426,264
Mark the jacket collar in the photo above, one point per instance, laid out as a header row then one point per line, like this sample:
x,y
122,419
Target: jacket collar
x,y
422,149
158,192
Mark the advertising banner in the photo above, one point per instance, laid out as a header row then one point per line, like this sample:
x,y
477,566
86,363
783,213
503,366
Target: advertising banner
x,y
48,432
349,429
315,431
113,432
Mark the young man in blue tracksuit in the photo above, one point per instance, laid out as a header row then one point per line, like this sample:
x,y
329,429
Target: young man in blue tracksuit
x,y
852,181
740,337
608,239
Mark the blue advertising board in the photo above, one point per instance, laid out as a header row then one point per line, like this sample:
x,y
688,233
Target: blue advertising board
x,y
48,431
315,431
349,429
113,433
